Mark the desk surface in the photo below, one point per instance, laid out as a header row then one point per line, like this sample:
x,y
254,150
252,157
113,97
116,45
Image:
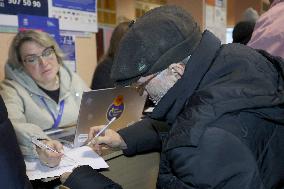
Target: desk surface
x,y
139,172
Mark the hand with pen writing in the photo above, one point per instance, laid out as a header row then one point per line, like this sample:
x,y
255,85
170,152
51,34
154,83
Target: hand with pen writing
x,y
49,158
109,138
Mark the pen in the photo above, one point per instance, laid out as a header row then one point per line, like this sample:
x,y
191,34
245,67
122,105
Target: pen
x,y
45,146
102,130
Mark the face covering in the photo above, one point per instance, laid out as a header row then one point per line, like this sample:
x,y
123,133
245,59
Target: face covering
x,y
160,85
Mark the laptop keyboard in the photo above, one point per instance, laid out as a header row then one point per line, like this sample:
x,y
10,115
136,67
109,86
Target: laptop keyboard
x,y
69,138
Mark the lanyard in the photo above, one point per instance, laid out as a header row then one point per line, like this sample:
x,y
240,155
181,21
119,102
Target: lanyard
x,y
59,116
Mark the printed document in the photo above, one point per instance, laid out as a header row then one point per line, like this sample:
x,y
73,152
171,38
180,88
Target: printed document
x,y
80,156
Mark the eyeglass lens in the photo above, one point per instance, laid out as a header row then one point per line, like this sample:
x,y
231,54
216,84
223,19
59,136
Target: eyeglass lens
x,y
34,59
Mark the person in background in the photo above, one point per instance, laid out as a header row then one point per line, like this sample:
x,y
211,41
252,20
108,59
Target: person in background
x,y
101,77
243,29
242,32
250,14
268,33
218,122
40,92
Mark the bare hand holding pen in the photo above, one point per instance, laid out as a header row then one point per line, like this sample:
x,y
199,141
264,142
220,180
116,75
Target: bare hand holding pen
x,y
109,138
49,158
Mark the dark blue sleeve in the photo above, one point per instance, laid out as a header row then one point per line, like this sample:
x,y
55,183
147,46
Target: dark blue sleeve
x,y
85,177
142,137
12,165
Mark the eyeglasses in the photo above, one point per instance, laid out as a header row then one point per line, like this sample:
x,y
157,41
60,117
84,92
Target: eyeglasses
x,y
142,82
34,59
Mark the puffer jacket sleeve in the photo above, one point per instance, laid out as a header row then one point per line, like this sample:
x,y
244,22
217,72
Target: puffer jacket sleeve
x,y
23,129
219,161
85,177
143,136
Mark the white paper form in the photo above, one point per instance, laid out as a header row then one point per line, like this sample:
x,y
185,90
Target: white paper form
x,y
83,156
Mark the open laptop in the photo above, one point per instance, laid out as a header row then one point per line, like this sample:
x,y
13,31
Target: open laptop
x,y
98,107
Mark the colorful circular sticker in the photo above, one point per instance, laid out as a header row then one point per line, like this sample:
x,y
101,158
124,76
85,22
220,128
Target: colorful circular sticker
x,y
116,108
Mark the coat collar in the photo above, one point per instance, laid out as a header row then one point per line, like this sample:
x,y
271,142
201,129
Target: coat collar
x,y
173,102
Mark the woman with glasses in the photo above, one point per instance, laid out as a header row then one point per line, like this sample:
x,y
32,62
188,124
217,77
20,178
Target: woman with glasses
x,y
40,92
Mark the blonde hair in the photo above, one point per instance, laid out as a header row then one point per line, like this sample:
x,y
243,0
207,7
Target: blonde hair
x,y
42,38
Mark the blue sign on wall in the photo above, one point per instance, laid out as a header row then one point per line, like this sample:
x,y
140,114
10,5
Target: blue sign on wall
x,y
67,44
82,5
49,25
31,7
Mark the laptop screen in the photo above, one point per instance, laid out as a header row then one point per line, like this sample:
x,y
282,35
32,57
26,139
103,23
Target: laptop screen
x,y
98,107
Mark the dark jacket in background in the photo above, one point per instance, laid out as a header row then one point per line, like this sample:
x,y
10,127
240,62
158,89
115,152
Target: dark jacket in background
x,y
225,122
242,32
12,166
101,77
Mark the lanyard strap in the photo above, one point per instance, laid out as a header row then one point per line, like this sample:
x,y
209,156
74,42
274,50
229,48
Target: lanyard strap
x,y
59,116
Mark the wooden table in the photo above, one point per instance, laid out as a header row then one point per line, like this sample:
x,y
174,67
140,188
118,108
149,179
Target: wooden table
x,y
138,172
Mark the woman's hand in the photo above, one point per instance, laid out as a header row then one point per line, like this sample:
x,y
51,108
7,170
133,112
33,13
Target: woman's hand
x,y
110,139
48,158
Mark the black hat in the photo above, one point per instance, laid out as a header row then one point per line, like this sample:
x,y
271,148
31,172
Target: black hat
x,y
162,36
242,32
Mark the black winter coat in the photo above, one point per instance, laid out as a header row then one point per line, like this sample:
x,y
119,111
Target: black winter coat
x,y
225,122
12,166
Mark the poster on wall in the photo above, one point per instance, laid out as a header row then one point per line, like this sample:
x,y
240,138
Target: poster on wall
x,y
67,44
31,7
9,9
49,25
77,16
74,15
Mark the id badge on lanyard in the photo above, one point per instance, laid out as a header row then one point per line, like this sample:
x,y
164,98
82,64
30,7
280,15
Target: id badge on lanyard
x,y
60,113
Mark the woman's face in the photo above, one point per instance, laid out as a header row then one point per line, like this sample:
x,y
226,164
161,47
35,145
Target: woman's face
x,y
39,62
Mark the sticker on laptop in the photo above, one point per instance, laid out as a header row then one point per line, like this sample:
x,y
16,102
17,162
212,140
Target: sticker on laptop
x,y
116,108
82,138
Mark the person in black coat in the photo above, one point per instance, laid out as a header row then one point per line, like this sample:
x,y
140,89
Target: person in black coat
x,y
242,32
218,122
